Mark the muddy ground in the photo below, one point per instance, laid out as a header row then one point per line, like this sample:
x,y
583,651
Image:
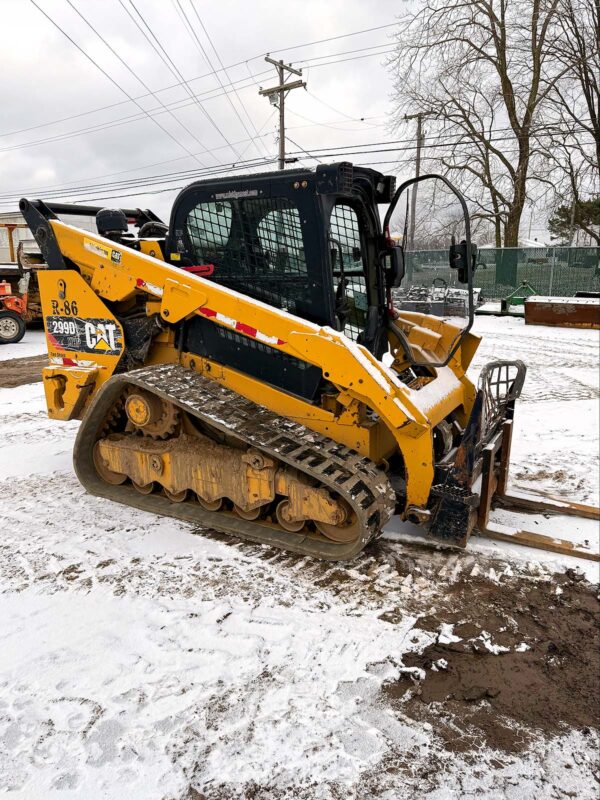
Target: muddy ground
x,y
526,662
19,371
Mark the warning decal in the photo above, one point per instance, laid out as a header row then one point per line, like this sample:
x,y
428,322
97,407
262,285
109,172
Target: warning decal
x,y
96,248
93,335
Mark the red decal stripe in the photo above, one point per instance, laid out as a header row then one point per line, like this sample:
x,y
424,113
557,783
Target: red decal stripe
x,y
242,327
247,329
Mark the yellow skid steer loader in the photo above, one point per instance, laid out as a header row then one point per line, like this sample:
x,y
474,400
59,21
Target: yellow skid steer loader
x,y
243,367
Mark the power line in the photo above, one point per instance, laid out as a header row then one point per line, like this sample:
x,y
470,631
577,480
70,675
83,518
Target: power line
x,y
340,36
239,99
289,138
143,182
129,119
196,40
130,182
170,64
133,118
330,107
332,126
114,123
137,77
120,88
136,169
67,186
219,170
354,58
200,77
324,152
444,137
331,152
352,52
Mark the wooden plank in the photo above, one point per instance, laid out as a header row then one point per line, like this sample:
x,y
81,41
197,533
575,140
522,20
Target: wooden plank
x,y
549,505
538,541
507,432
488,485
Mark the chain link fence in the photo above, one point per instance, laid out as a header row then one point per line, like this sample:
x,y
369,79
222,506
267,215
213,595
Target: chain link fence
x,y
557,271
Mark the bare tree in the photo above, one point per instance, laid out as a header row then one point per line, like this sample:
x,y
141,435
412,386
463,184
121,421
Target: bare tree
x,y
480,72
573,150
577,99
443,220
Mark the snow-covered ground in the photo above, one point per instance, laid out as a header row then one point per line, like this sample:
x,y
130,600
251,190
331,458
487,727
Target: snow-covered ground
x,y
32,344
140,658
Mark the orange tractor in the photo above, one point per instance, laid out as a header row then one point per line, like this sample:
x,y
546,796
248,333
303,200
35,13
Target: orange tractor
x,y
13,308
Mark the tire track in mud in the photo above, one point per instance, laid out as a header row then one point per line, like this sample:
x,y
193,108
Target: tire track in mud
x,y
19,371
554,368
69,538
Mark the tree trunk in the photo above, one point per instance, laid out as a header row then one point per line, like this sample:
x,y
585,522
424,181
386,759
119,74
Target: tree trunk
x,y
515,210
498,230
511,232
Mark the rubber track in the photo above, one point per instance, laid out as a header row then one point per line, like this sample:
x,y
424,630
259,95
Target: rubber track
x,y
344,471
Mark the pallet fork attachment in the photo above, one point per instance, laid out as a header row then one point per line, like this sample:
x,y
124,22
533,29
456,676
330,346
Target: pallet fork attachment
x,y
494,493
477,481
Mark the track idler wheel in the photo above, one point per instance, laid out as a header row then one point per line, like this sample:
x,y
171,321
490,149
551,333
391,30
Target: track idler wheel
x,y
176,497
210,505
347,531
147,488
283,518
250,515
114,478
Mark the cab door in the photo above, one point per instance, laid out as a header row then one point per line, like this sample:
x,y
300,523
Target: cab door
x,y
357,273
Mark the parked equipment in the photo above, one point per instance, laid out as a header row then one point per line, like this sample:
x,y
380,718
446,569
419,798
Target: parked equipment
x,y
512,305
438,299
564,312
243,368
13,309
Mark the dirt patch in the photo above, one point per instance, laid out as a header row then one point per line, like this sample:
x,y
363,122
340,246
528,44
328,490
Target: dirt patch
x,y
18,371
526,661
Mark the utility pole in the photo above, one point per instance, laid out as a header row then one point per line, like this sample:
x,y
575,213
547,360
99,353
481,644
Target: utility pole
x,y
413,204
277,95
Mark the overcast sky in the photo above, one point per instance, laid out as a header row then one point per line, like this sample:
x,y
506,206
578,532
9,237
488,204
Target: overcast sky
x,y
45,78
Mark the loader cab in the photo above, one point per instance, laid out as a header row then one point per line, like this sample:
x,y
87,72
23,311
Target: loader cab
x,y
304,241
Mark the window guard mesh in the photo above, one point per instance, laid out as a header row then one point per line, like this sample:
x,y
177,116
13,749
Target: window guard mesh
x,y
256,247
345,231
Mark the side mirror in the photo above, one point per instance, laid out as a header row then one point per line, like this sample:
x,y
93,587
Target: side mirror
x,y
458,259
394,265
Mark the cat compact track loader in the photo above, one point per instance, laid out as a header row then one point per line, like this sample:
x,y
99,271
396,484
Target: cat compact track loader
x,y
243,367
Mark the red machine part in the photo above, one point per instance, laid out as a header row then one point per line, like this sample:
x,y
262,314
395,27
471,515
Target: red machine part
x,y
13,303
